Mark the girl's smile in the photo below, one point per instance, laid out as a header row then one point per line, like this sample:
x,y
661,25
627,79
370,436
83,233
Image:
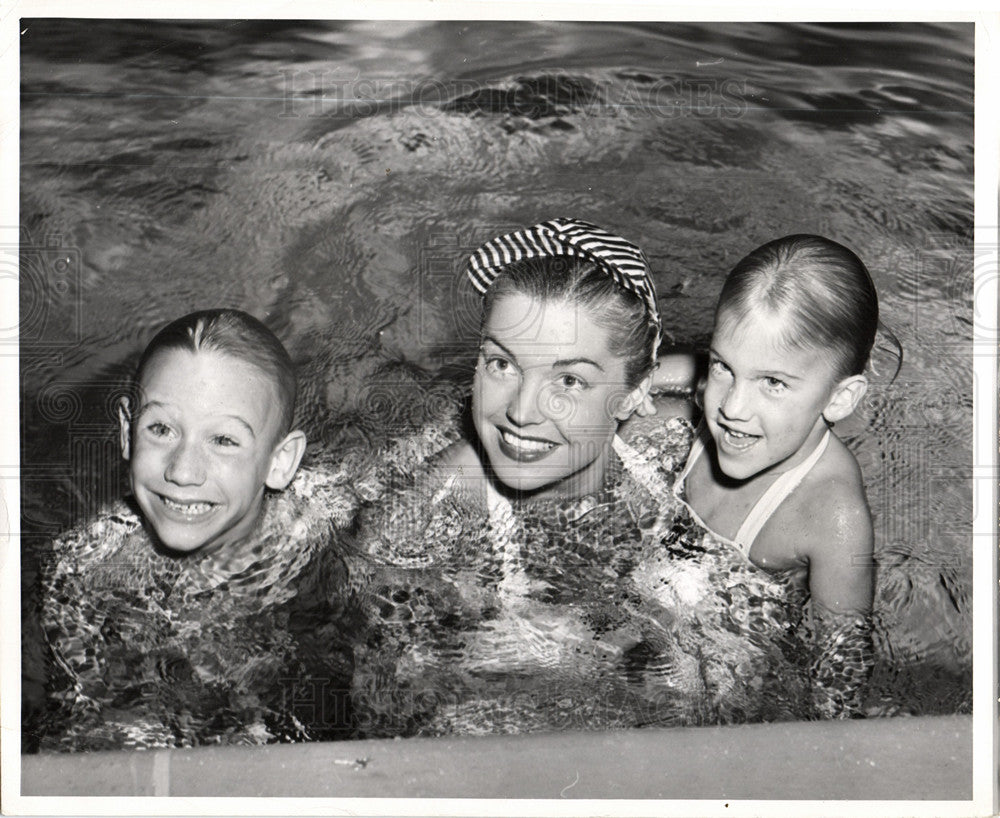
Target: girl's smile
x,y
764,400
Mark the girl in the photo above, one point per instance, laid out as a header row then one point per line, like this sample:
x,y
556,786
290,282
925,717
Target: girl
x,y
794,328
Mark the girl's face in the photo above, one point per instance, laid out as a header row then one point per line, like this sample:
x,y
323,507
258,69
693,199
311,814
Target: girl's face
x,y
548,396
764,401
200,446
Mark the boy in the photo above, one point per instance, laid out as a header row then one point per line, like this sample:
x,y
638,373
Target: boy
x,y
205,608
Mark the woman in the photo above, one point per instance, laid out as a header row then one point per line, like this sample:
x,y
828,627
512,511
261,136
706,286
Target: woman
x,y
513,583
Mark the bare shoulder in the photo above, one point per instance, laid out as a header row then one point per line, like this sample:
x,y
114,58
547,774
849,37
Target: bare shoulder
x,y
840,543
830,507
461,464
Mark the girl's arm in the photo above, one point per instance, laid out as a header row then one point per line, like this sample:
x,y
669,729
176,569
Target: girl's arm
x,y
841,561
841,579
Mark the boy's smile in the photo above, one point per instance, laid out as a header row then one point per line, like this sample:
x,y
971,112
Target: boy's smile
x,y
201,445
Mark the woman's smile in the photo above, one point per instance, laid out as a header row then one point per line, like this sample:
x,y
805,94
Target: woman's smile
x,y
546,391
524,449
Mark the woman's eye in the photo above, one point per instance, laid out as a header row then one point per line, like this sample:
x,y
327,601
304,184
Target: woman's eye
x,y
568,381
496,365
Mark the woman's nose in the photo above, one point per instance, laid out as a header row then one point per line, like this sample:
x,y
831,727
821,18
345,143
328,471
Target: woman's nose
x,y
524,407
186,466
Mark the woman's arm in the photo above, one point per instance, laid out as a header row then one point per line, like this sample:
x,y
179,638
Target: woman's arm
x,y
675,373
674,381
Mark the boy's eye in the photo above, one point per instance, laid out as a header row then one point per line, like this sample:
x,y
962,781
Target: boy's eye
x,y
158,429
225,440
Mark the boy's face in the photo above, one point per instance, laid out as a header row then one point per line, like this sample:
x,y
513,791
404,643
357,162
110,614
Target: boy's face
x,y
203,445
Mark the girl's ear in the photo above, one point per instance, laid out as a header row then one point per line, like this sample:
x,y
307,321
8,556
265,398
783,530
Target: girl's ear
x,y
285,460
845,398
637,399
125,427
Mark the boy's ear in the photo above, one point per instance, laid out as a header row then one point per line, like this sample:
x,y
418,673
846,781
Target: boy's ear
x,y
285,460
637,400
125,427
845,398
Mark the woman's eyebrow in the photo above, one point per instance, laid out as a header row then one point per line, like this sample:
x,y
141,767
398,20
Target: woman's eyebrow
x,y
573,361
151,404
496,343
555,364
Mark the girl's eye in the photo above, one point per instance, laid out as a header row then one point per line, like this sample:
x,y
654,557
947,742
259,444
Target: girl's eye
x,y
775,384
716,367
225,440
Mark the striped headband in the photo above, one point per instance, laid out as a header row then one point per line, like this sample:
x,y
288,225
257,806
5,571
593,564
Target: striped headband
x,y
620,259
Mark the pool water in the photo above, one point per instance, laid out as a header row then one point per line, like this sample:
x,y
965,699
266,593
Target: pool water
x,y
332,177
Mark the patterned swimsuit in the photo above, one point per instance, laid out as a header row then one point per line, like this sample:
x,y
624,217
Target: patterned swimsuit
x,y
618,609
242,645
245,644
441,615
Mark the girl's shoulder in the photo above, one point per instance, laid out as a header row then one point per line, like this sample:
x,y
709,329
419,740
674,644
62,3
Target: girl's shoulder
x,y
836,476
829,519
828,512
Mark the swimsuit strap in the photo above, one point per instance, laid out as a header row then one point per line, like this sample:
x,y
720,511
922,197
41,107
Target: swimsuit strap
x,y
775,495
697,447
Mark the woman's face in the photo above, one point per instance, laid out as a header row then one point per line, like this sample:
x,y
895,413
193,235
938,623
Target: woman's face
x,y
548,396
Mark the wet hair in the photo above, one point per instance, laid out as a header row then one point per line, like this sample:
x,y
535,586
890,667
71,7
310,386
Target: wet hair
x,y
632,334
821,287
234,333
